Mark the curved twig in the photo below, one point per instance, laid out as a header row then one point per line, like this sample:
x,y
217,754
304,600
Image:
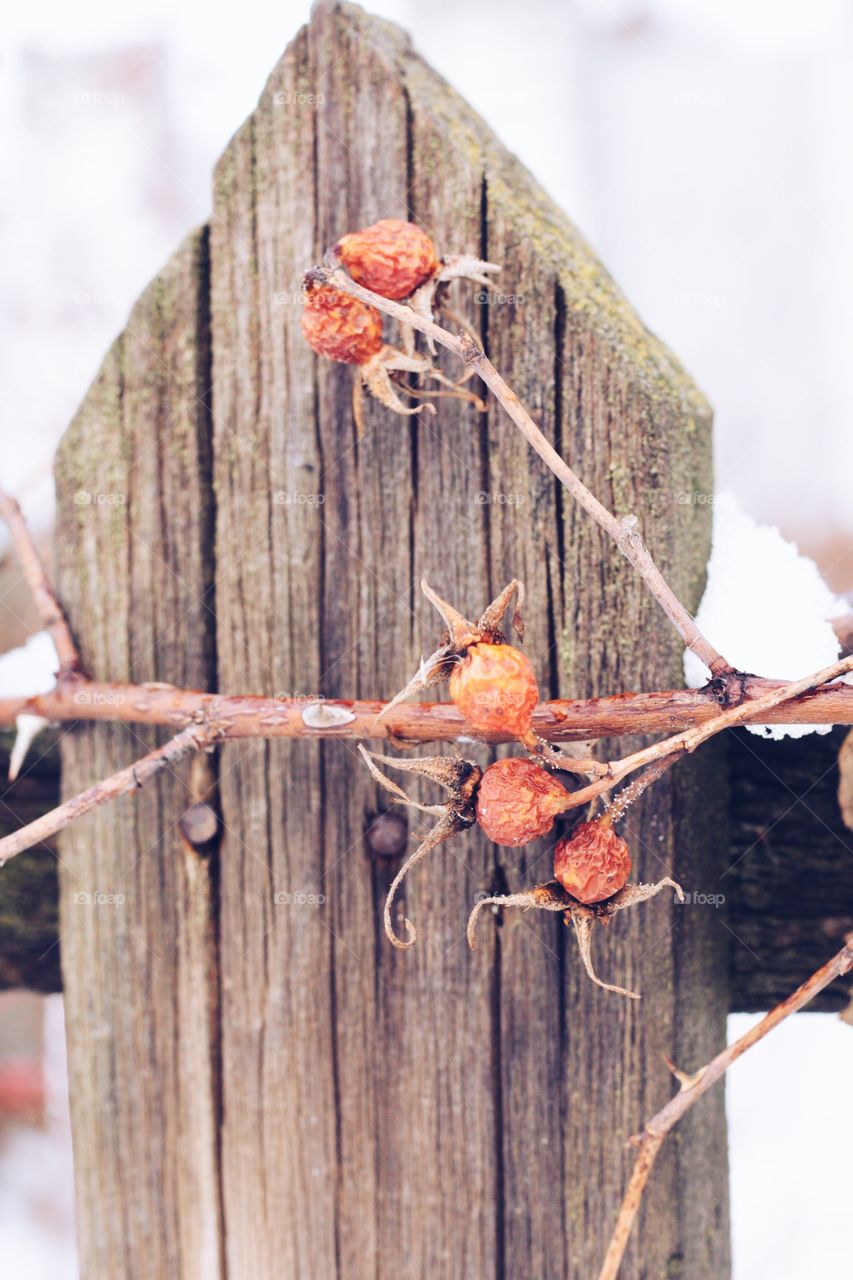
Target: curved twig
x,y
693,1087
625,532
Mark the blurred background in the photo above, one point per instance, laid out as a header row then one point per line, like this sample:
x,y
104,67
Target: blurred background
x,y
704,150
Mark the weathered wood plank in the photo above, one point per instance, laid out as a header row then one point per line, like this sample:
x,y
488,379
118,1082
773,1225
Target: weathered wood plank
x,y
402,502
431,1112
630,421
279,1136
137,921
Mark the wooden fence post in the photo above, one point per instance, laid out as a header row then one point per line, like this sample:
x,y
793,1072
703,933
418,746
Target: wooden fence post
x,y
261,1086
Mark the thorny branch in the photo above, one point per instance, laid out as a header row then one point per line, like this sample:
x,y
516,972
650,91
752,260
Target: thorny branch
x,y
223,717
49,612
694,1086
118,784
560,720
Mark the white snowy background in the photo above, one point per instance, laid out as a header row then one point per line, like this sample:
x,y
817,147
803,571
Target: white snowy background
x,y
702,145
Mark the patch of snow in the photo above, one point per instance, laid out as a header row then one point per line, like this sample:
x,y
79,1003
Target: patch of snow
x,y
766,607
29,669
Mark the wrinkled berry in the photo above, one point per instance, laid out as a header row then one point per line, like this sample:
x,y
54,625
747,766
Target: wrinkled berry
x,y
390,258
340,327
495,689
593,862
517,801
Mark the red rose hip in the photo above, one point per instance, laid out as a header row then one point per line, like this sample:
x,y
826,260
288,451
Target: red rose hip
x,y
495,689
390,258
593,862
340,327
517,801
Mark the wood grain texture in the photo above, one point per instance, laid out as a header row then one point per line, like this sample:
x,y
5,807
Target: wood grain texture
x,y
137,914
381,1114
445,1089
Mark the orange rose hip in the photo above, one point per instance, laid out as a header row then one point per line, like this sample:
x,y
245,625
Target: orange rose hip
x,y
593,862
495,689
390,257
517,801
340,327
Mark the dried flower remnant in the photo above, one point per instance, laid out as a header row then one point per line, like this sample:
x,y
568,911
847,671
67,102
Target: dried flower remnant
x,y
553,897
458,777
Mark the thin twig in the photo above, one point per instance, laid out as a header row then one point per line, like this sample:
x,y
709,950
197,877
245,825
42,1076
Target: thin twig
x,y
625,532
682,743
118,784
47,605
693,1087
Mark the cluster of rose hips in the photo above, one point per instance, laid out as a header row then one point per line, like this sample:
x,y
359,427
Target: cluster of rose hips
x,y
514,800
492,683
396,260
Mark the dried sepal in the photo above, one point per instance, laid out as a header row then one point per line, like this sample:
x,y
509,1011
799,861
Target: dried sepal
x,y
458,777
460,631
374,374
447,826
389,785
542,897
432,671
552,897
492,616
585,920
453,392
465,266
634,893
449,772
428,299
